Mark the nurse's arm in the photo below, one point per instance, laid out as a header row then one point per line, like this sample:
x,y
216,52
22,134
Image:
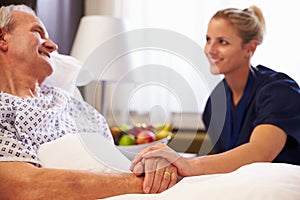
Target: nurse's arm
x,y
266,142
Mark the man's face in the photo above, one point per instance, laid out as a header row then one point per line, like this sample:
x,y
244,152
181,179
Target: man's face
x,y
30,47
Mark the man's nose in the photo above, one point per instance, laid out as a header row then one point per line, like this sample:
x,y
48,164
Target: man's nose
x,y
50,45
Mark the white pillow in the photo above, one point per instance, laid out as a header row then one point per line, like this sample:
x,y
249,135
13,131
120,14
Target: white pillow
x,y
65,71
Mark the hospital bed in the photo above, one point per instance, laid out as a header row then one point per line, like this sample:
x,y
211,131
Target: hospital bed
x,y
274,181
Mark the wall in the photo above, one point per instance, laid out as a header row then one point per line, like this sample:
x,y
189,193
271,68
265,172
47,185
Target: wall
x,y
61,18
186,140
114,8
99,7
92,93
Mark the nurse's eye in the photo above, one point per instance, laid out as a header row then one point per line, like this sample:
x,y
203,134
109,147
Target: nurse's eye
x,y
224,42
207,39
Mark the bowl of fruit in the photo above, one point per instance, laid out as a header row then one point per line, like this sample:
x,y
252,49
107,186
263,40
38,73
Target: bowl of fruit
x,y
130,140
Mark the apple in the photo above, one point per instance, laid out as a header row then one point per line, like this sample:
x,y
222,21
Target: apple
x,y
145,136
135,131
127,139
151,128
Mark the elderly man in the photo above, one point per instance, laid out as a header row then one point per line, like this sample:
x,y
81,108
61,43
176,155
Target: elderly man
x,y
33,114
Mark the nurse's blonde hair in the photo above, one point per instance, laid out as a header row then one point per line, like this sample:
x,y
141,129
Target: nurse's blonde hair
x,y
249,22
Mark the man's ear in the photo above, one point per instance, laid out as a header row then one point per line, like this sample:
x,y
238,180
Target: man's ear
x,y
3,42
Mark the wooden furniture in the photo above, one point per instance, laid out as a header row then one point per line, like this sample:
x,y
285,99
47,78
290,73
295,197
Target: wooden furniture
x,y
191,141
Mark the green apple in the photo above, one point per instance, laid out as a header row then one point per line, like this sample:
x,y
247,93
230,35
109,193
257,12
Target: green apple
x,y
126,140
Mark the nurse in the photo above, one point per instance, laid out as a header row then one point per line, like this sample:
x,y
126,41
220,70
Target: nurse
x,y
262,120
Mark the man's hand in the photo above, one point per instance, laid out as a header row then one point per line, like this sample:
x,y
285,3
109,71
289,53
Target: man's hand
x,y
159,175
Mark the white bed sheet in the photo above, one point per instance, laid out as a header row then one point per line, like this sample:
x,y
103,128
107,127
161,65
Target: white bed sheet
x,y
258,181
265,181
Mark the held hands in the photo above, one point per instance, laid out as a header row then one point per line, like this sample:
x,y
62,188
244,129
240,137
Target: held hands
x,y
159,174
160,164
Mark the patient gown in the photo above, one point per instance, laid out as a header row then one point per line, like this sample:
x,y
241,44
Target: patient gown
x,y
26,123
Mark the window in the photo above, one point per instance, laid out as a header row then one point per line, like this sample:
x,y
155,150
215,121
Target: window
x,y
279,50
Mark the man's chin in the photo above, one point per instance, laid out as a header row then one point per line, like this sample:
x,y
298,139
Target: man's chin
x,y
47,74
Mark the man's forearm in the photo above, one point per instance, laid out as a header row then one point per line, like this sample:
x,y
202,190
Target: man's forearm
x,y
29,182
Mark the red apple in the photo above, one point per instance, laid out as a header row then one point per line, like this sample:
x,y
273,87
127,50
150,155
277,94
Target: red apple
x,y
151,128
145,136
135,131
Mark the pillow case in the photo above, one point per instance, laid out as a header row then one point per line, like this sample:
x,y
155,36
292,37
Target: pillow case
x,y
65,71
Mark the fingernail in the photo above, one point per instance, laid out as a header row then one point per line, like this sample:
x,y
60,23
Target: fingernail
x,y
146,190
138,169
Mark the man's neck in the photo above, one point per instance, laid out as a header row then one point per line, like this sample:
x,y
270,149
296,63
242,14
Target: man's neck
x,y
16,83
13,85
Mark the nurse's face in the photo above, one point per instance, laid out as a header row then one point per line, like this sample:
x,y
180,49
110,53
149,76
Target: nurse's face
x,y
224,48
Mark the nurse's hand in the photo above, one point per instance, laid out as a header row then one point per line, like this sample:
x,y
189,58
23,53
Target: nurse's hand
x,y
164,152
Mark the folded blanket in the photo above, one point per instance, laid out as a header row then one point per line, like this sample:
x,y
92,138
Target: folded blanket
x,y
83,152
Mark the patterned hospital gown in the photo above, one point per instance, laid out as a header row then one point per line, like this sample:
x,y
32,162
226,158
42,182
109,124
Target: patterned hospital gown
x,y
26,123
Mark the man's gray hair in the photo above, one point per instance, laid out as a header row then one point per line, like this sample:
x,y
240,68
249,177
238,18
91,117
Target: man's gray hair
x,y
6,19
